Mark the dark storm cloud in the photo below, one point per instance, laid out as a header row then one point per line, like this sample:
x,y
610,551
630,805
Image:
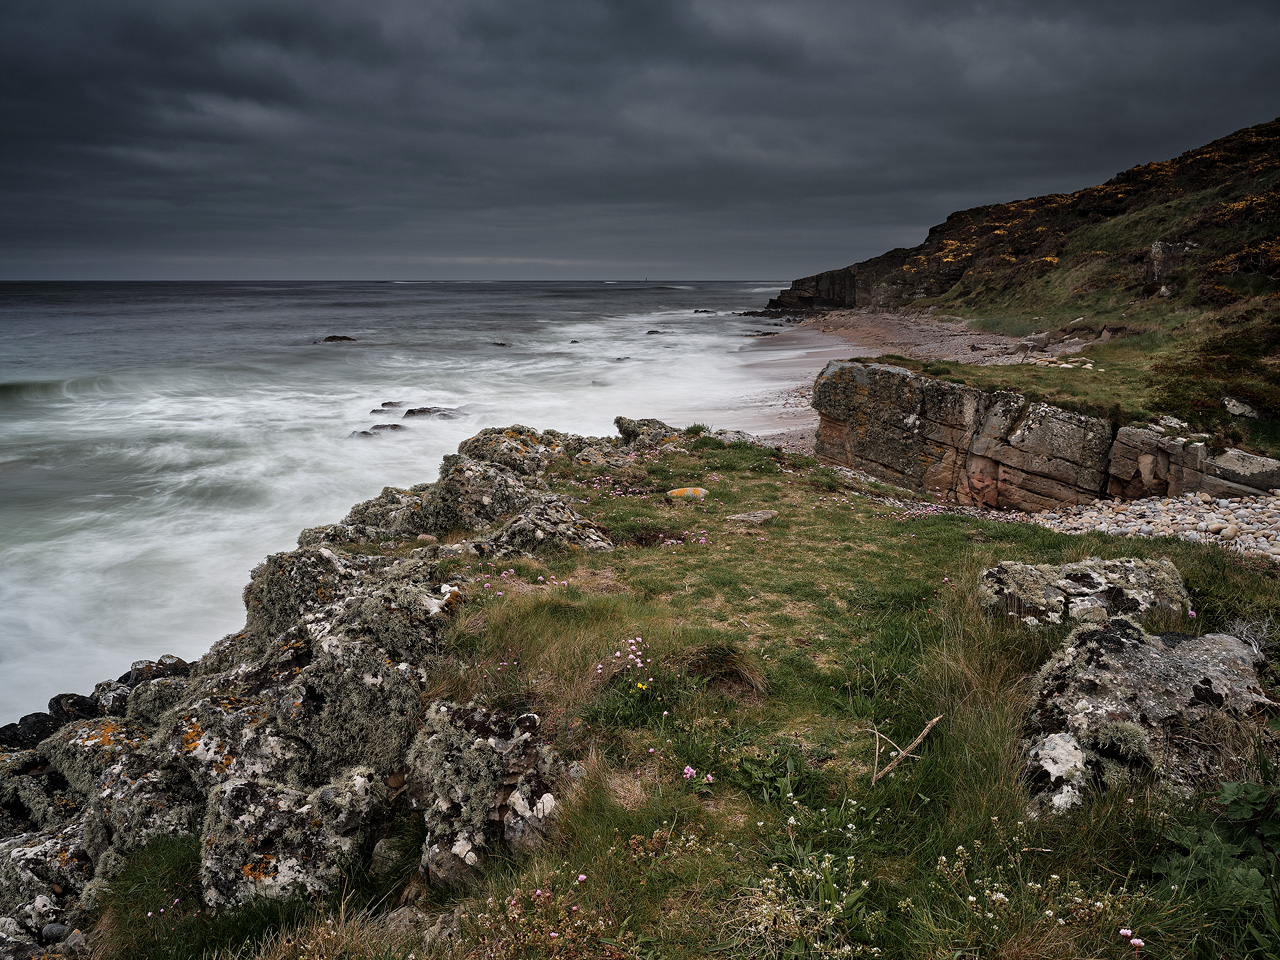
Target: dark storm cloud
x,y
579,137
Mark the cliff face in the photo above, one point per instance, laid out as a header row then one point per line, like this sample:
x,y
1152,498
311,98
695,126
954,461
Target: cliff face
x,y
1202,226
1001,450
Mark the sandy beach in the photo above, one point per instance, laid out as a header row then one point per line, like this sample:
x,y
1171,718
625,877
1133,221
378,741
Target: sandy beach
x,y
845,334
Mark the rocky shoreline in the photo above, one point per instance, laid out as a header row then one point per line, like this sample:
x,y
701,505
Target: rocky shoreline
x,y
299,740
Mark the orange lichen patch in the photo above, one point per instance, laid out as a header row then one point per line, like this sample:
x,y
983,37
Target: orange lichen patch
x,y
261,869
191,736
107,734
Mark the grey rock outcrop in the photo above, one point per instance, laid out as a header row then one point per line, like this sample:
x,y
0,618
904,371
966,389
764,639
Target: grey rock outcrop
x,y
292,739
1089,591
1117,706
1000,449
990,449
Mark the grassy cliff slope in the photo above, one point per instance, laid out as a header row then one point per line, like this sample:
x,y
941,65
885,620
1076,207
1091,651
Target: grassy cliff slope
x,y
1177,261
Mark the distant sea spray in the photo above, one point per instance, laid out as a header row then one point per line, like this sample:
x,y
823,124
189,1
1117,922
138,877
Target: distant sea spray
x,y
158,439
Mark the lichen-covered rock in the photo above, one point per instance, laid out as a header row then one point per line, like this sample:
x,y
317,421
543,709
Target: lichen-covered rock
x,y
41,874
151,698
285,586
521,449
262,839
33,795
1116,705
470,495
480,777
642,434
142,795
285,744
1090,590
548,523
82,751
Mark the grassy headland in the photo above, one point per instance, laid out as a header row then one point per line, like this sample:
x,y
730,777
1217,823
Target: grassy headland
x,y
727,698
1178,261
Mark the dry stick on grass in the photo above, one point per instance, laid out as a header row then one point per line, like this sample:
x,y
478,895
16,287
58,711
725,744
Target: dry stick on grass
x,y
902,754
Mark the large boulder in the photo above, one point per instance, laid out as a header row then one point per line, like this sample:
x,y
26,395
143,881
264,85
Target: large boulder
x,y
1090,590
1118,707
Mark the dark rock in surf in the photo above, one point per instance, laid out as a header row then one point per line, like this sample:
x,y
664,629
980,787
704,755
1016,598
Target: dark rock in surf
x,y
334,338
388,426
66,707
435,413
28,731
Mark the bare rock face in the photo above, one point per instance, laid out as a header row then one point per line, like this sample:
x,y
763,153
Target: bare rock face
x,y
990,449
1002,450
1117,706
1091,591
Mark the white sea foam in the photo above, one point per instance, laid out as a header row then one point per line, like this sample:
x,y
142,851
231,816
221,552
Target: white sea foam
x,y
137,491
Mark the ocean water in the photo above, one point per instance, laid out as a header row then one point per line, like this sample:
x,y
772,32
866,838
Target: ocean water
x,y
157,440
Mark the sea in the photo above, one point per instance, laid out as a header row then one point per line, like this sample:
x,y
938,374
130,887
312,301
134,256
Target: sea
x,y
158,440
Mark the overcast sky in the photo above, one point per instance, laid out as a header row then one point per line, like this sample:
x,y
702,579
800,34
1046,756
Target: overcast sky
x,y
580,138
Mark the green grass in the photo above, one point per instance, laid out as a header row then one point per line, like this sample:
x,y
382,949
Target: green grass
x,y
789,661
153,910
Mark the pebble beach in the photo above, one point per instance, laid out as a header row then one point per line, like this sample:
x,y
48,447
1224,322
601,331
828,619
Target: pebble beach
x,y
1248,525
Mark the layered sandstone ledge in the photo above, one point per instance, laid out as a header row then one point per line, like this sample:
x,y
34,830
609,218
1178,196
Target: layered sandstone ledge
x,y
1002,450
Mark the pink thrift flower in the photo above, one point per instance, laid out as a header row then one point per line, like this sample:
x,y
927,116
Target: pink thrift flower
x,y
710,779
582,878
1137,943
1126,932
690,773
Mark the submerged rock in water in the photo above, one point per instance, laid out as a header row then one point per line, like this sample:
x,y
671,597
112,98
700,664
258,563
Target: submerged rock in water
x,y
1118,706
435,413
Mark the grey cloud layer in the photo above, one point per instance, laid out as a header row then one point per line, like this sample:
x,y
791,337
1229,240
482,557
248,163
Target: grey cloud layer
x,y
579,137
